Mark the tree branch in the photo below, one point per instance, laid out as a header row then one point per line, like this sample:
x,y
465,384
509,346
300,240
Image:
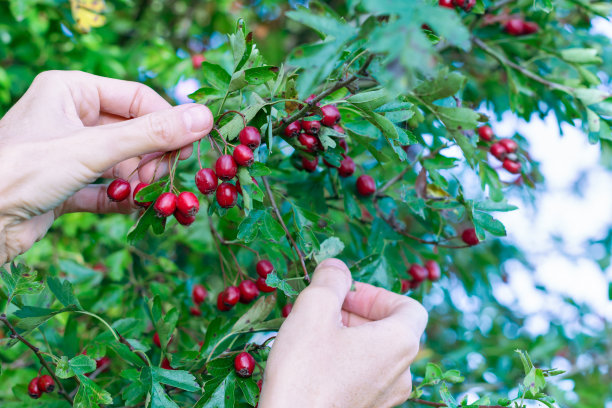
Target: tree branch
x,y
137,352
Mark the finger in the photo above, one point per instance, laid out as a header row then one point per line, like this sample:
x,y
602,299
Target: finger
x,y
353,320
122,170
94,199
150,165
399,392
108,118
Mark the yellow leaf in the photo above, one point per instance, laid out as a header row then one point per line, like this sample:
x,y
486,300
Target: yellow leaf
x,y
86,14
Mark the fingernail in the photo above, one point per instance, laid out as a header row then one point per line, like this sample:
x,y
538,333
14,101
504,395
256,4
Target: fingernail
x,y
197,118
333,263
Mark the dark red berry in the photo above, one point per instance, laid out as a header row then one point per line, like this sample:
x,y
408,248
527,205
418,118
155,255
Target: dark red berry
x,y
347,167
366,186
206,181
248,291
515,26
339,129
309,142
342,143
486,133
139,187
433,270
33,389
259,384
188,203
197,60
262,286
166,364
264,268
231,296
103,363
118,190
293,129
226,167
183,219
195,311
286,309
243,155
240,188
312,127
511,166
405,285
418,272
221,305
331,115
414,284
530,27
227,194
498,150
510,145
250,136
310,165
198,294
244,363
46,384
446,3
469,237
165,205
156,340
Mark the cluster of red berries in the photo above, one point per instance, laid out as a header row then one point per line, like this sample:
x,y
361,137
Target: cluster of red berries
x,y
198,294
466,5
39,385
517,26
503,150
420,273
247,290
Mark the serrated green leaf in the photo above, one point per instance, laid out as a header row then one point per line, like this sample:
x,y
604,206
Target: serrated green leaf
x,y
257,313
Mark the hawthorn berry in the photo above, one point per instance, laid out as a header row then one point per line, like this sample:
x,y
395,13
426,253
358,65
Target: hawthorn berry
x,y
244,363
418,272
530,27
195,311
433,270
227,195
139,187
446,3
342,143
226,167
197,60
515,26
243,155
206,181
347,167
33,389
310,165
286,309
309,142
156,340
248,291
188,203
510,145
293,129
250,136
512,166
103,363
312,127
366,186
183,219
498,151
230,296
311,98
405,285
264,268
486,133
338,128
165,364
45,383
198,294
165,204
331,115
414,284
221,305
262,286
469,237
118,190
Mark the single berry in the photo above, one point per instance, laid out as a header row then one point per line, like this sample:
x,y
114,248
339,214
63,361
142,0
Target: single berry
x,y
243,155
347,167
366,186
240,188
221,305
250,136
433,270
339,129
310,165
510,145
342,143
103,363
331,115
498,150
312,127
198,294
166,364
309,142
197,60
511,166
469,237
530,27
244,363
195,311
446,3
33,389
293,129
206,181
188,203
264,268
226,167
405,285
486,133
286,309
262,286
139,187
156,340
46,384
227,194
118,190
165,205
414,284
418,272
248,291
231,296
259,384
515,26
311,98
183,219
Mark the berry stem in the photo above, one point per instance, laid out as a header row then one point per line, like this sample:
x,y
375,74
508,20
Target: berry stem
x,y
199,154
232,111
223,241
216,241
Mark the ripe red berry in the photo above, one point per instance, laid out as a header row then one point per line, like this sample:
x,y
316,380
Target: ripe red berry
x,y
166,364
414,284
226,167
183,219
195,311
46,384
469,237
103,363
293,129
165,204
498,150
264,268
510,145
198,294
240,188
530,27
342,143
347,167
33,389
262,286
418,272
118,190
486,133
339,129
221,305
197,60
248,291
312,127
311,98
286,309
309,142
244,363
515,26
366,186
156,340
206,181
250,136
331,115
310,165
188,203
231,296
405,285
433,270
446,3
139,187
243,155
227,194
512,166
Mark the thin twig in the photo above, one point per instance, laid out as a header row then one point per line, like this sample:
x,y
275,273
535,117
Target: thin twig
x,y
394,180
137,352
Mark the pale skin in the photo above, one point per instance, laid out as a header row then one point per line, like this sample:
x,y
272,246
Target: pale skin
x,y
338,348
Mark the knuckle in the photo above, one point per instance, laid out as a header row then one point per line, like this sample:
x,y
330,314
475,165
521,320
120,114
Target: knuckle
x,y
46,77
159,130
142,94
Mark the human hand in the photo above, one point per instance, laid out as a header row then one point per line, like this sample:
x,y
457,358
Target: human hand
x,y
340,348
71,128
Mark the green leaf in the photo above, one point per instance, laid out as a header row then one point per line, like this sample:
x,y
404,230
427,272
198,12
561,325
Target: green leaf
x,y
443,86
20,281
272,228
260,75
250,225
274,281
489,223
494,206
257,313
249,389
32,317
218,394
230,130
146,220
90,395
82,364
457,118
259,169
368,101
215,75
63,292
62,369
376,273
175,378
433,374
329,248
581,55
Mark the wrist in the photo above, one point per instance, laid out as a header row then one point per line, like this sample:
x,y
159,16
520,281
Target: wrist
x,y
295,394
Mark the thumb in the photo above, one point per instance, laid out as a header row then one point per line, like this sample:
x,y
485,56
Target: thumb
x,y
164,130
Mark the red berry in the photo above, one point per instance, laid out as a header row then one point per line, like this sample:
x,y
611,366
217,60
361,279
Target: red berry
x,y
331,115
240,188
226,167
262,286
366,186
309,142
414,284
250,136
511,166
286,309
498,150
486,133
188,203
342,143
183,219
515,26
405,285
264,268
259,384
197,60
46,384
156,340
103,363
195,311
510,145
347,167
310,165
446,3
33,389
165,205
469,237
166,364
206,181
418,272
433,270
231,296
293,129
244,363
248,291
530,27
227,194
243,155
139,187
198,294
338,128
118,190
312,127
220,304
